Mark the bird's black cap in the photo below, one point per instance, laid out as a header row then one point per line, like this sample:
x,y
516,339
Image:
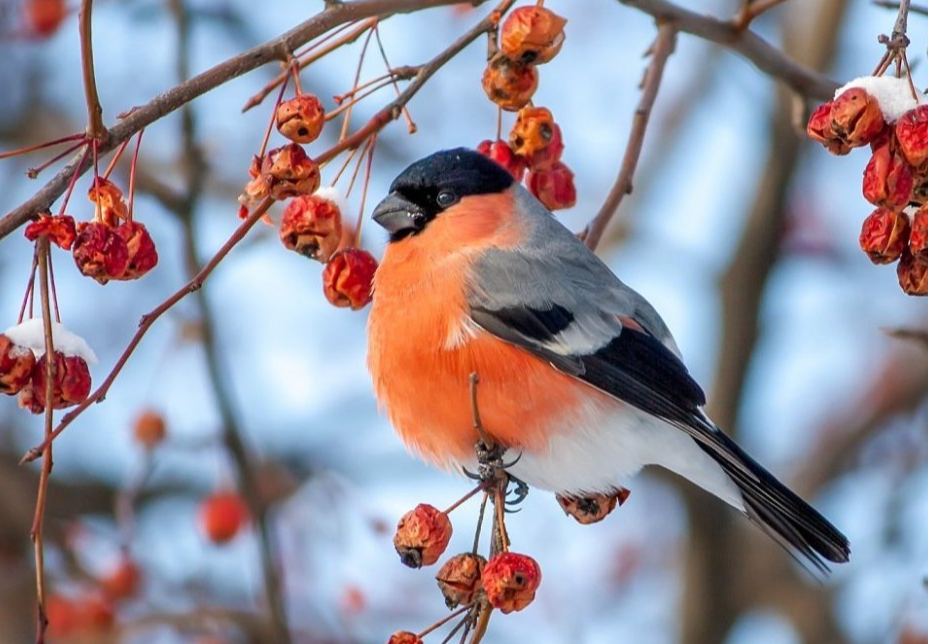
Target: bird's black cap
x,y
434,183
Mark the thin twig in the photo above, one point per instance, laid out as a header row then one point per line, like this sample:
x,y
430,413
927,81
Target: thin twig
x,y
444,620
278,48
750,11
660,51
894,4
95,128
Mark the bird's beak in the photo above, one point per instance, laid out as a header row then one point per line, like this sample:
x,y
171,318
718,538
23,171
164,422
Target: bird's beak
x,y
399,215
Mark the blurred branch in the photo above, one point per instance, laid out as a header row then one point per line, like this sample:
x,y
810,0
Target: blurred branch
x,y
765,56
660,51
335,13
751,10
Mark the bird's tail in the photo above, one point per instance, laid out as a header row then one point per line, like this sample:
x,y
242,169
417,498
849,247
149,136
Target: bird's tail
x,y
776,509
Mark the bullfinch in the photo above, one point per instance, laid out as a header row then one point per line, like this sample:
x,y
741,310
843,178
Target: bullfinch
x,y
578,373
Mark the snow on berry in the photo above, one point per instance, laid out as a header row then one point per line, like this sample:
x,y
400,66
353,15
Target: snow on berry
x,y
894,95
31,335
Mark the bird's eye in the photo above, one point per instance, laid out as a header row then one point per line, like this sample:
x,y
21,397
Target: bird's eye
x,y
446,198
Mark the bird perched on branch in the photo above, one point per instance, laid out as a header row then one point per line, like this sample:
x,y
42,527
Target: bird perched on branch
x,y
578,373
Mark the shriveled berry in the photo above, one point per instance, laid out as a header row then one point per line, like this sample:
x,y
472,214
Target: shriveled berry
x,y
536,137
16,365
459,578
348,278
509,83
404,637
109,200
884,235
222,515
422,535
553,187
532,35
510,581
592,508
888,180
912,272
301,118
500,152
819,129
143,255
311,226
290,171
70,383
912,135
59,229
149,428
856,117
99,252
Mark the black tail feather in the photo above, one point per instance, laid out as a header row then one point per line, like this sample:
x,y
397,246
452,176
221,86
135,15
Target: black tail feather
x,y
777,510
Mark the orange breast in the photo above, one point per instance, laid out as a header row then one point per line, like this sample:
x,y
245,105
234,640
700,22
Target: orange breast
x,y
421,358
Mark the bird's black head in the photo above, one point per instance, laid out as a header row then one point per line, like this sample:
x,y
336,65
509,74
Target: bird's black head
x,y
435,183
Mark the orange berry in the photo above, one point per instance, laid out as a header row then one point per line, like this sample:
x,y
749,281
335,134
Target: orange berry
x,y
459,578
532,35
422,535
510,581
149,428
222,515
509,83
301,118
311,226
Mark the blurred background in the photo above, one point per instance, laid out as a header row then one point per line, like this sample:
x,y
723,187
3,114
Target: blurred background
x,y
741,232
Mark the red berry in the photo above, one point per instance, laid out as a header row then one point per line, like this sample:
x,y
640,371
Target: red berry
x,y
537,137
404,637
819,129
59,229
143,255
70,383
422,535
912,134
16,366
106,195
43,17
532,35
912,272
301,118
884,235
510,581
553,187
500,152
99,252
348,278
222,515
856,117
888,179
123,581
311,226
509,83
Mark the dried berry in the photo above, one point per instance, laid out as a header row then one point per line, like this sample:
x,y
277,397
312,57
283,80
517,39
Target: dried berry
x,y
404,637
912,135
856,117
311,226
16,365
70,383
553,187
592,508
99,252
59,229
888,179
912,272
500,152
301,118
123,581
459,578
884,235
143,255
536,137
222,515
532,35
508,83
149,428
111,207
510,581
819,129
290,172
422,535
348,278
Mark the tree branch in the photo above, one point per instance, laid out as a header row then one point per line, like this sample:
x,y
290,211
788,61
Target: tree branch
x,y
765,56
276,49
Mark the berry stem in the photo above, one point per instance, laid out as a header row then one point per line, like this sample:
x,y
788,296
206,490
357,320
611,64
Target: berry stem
x,y
295,71
132,172
367,180
411,126
41,146
32,173
357,80
73,182
270,125
454,506
30,285
118,155
445,620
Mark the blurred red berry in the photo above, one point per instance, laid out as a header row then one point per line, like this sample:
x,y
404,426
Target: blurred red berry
x,y
149,428
888,179
222,515
508,83
16,366
43,17
912,272
70,383
912,135
459,578
510,581
500,152
78,618
143,255
404,637
422,535
884,235
311,226
99,252
301,118
59,229
123,581
348,278
553,187
856,117
532,35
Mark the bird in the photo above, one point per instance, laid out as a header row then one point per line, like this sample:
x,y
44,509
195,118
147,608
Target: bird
x,y
578,374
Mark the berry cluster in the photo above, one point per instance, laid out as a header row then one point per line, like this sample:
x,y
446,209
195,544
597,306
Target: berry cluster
x,y
311,224
885,113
